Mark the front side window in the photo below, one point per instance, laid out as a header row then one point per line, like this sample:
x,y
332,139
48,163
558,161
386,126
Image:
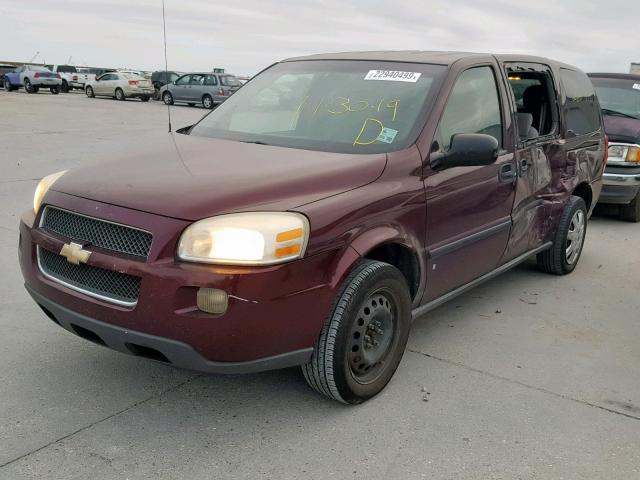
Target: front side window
x,y
473,107
184,80
581,108
618,97
329,105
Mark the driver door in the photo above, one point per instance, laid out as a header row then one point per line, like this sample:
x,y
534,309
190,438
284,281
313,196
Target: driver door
x,y
469,208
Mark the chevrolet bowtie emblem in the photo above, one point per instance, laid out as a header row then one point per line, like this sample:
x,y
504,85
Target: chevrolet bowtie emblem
x,y
74,253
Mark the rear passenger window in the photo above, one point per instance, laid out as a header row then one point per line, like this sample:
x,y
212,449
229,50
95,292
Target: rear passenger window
x,y
473,107
581,108
211,80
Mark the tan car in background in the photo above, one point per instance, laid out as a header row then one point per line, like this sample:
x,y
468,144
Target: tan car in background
x,y
120,85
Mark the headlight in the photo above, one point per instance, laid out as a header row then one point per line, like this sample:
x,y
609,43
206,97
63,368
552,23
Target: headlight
x,y
43,187
260,238
624,154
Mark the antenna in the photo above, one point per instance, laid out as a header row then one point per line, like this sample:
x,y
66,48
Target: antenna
x,y
166,64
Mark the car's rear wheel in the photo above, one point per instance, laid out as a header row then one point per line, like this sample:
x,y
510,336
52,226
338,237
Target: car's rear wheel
x,y
65,87
144,99
563,256
89,92
167,98
28,87
631,212
364,337
7,85
120,95
207,102
55,90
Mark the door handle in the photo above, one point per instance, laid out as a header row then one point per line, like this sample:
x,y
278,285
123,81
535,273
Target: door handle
x,y
524,165
507,173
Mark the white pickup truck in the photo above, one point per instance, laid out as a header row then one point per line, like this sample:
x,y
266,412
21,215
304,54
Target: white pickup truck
x,y
72,77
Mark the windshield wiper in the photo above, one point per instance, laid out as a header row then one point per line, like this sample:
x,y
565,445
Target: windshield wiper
x,y
608,111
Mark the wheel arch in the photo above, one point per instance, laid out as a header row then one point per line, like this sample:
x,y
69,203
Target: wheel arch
x,y
389,244
584,191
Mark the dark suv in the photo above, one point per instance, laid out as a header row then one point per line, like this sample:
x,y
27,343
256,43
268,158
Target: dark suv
x,y
619,96
318,211
160,78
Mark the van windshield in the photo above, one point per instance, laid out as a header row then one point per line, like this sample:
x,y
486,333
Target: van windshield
x,y
338,106
618,97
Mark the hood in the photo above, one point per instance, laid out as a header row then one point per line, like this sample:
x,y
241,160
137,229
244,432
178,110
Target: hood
x,y
191,178
622,129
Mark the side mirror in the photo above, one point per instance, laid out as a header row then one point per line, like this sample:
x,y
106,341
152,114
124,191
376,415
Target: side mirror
x,y
467,150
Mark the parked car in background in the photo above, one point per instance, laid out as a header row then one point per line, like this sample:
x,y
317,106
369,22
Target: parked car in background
x,y
314,214
205,88
71,79
5,68
619,96
120,86
160,78
32,78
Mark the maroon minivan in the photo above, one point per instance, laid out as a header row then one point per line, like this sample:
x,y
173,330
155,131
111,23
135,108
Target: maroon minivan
x,y
328,203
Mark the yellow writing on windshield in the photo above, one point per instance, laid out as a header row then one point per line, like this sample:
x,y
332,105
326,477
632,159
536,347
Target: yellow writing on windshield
x,y
358,140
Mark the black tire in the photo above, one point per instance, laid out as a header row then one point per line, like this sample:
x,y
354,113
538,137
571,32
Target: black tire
x,y
7,85
55,90
65,87
631,212
36,89
156,94
144,99
89,92
167,98
207,102
119,94
364,337
28,87
557,260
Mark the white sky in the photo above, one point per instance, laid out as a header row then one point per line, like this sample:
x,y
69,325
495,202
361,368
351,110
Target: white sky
x,y
247,35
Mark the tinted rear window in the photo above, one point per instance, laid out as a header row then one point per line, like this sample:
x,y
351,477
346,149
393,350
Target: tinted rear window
x,y
229,81
581,108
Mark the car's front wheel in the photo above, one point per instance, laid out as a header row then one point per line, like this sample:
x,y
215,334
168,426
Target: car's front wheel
x,y
631,212
364,337
55,90
167,98
144,99
7,85
565,252
65,87
89,91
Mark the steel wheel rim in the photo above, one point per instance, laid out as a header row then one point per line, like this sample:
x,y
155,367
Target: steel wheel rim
x,y
575,237
372,337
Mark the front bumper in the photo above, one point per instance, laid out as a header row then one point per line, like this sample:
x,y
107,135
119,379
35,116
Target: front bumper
x,y
620,186
274,317
161,349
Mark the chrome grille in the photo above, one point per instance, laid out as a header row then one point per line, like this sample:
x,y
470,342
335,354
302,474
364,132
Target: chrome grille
x,y
100,233
98,282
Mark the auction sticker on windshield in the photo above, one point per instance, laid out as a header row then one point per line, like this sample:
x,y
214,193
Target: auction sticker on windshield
x,y
393,76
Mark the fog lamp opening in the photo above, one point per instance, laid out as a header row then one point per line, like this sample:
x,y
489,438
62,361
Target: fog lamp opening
x,y
212,300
